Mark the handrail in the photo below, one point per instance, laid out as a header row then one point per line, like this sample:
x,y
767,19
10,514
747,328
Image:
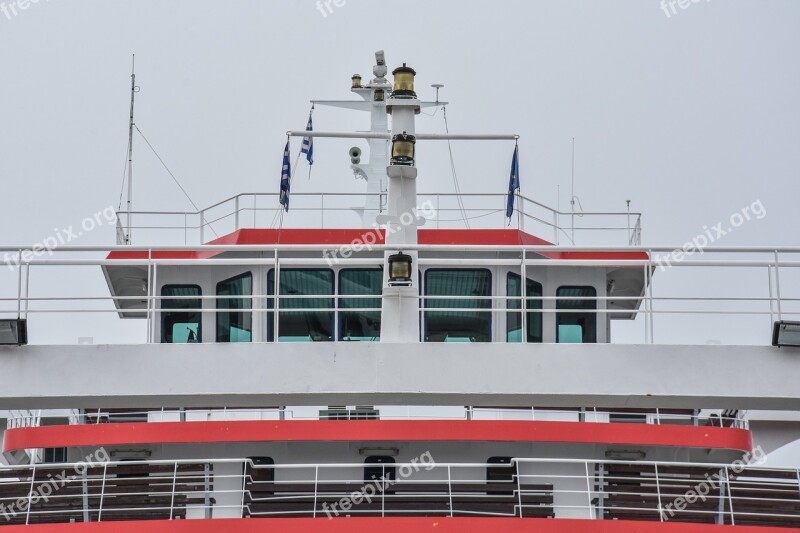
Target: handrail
x,y
587,489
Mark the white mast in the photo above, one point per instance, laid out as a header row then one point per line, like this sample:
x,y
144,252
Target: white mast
x,y
131,124
375,94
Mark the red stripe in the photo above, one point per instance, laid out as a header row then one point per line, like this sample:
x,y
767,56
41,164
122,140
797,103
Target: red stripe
x,y
390,525
338,237
375,431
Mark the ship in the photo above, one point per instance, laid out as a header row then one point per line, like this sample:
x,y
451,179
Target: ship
x,y
375,362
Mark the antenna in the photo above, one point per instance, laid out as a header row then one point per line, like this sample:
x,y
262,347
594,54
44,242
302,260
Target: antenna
x,y
131,124
572,193
437,86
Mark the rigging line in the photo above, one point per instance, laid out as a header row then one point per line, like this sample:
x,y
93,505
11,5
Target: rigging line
x,y
453,169
124,177
174,178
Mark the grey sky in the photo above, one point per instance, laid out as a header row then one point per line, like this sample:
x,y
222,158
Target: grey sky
x,y
691,116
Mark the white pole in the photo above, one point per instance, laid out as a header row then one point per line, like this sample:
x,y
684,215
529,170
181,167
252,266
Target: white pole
x,y
130,151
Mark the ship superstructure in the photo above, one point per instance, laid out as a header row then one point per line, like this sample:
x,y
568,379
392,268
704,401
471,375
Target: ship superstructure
x,y
401,375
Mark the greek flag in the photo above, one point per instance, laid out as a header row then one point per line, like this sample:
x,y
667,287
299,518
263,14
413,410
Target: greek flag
x,y
308,143
286,174
513,183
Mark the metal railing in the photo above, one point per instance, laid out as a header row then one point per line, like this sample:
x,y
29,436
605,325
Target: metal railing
x,y
762,286
714,418
94,491
341,210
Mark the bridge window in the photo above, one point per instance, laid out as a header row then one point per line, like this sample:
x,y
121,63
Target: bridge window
x,y
234,324
533,324
576,319
181,319
360,325
307,289
458,326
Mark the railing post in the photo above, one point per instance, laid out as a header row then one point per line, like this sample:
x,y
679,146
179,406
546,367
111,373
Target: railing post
x,y
658,491
588,490
771,300
172,499
85,490
236,215
730,496
720,519
30,493
322,210
102,493
19,285
650,294
601,493
316,490
519,489
778,285
450,489
207,488
202,227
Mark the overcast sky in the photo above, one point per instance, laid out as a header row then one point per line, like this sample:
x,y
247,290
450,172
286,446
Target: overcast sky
x,y
691,114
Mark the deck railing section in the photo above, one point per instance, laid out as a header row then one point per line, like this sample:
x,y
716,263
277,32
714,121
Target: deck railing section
x,y
93,491
342,210
723,293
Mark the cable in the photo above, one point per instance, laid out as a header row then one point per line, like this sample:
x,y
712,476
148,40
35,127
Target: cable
x,y
453,169
174,178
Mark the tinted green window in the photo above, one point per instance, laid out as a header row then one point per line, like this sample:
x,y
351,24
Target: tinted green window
x,y
576,320
179,326
302,326
360,325
233,323
533,326
458,326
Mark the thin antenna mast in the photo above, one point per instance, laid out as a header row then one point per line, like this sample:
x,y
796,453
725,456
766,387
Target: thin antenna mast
x,y
572,194
131,124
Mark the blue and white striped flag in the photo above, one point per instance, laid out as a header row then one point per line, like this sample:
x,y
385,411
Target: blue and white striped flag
x,y
308,143
513,183
286,175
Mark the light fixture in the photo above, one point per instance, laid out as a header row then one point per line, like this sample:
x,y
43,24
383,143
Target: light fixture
x,y
404,82
786,333
400,269
379,95
356,81
371,452
403,149
13,332
131,454
625,455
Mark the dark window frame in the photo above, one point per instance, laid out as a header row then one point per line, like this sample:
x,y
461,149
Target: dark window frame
x,y
426,297
589,334
273,292
219,312
341,311
165,311
529,314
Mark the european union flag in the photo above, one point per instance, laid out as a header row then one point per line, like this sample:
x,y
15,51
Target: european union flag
x,y
308,143
513,183
286,175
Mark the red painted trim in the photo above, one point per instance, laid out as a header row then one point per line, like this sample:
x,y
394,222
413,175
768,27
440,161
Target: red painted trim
x,y
376,431
389,525
338,237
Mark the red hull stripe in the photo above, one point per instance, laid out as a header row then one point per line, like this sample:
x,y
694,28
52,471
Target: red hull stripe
x,y
389,525
376,431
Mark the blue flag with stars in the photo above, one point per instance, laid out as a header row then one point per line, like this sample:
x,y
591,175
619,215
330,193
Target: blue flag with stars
x,y
286,175
513,183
